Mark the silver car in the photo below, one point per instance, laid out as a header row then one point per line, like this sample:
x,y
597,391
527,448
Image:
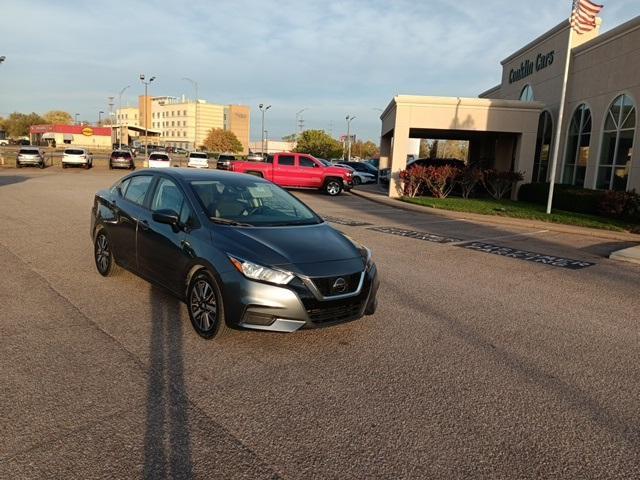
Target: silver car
x,y
77,157
33,156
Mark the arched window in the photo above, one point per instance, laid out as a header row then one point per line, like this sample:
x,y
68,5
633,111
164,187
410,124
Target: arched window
x,y
578,141
527,94
543,147
617,144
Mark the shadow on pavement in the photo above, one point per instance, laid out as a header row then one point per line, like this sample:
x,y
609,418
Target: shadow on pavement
x,y
11,179
167,437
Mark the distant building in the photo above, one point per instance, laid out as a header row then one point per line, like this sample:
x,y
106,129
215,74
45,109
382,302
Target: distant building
x,y
272,146
76,135
179,122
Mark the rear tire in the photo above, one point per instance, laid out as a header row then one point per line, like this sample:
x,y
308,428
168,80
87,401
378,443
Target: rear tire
x,y
333,187
357,181
103,255
204,302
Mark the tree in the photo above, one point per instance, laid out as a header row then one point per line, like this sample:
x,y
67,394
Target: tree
x,y
290,138
58,117
220,140
17,124
366,149
319,144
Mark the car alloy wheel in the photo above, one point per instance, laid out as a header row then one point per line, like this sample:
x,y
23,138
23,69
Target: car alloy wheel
x,y
205,306
357,181
333,187
104,255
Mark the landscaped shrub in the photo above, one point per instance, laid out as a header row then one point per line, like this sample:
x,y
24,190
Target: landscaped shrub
x,y
620,205
498,184
468,179
412,181
440,180
565,197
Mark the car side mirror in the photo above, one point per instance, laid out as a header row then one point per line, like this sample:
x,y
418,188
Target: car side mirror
x,y
168,217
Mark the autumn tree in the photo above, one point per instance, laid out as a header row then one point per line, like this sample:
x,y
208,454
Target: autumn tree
x,y
319,144
220,140
17,124
366,149
58,117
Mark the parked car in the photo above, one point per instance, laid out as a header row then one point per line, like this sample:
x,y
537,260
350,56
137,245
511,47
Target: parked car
x,y
33,156
294,271
198,160
374,162
4,142
359,177
436,162
77,157
159,160
224,161
295,170
121,159
364,167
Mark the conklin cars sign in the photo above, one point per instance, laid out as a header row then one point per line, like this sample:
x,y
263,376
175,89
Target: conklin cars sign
x,y
527,67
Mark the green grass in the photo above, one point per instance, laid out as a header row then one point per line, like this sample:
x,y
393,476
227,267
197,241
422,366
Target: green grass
x,y
524,210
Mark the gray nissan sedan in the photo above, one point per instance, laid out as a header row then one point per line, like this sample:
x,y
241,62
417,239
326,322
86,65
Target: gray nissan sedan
x,y
238,250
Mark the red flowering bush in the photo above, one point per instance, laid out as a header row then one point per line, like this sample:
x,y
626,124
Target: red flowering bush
x,y
498,184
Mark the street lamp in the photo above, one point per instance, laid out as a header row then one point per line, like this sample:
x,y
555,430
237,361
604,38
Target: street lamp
x,y
146,133
76,118
100,118
298,114
349,119
120,113
263,109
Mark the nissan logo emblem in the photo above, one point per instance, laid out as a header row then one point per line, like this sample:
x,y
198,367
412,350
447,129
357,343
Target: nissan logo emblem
x,y
339,285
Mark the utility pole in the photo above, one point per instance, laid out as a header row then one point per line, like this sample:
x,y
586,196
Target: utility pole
x,y
100,118
120,113
299,123
111,117
349,118
195,122
146,133
75,121
263,109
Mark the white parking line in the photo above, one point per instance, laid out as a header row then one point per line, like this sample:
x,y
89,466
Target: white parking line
x,y
525,234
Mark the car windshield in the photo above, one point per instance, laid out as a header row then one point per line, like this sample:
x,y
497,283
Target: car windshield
x,y
72,151
226,157
158,156
198,155
254,203
28,151
121,154
326,163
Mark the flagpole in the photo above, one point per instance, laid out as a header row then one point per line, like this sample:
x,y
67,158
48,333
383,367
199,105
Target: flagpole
x,y
556,144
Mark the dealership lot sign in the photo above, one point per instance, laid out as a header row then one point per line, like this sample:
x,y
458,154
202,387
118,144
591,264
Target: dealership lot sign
x,y
550,260
527,67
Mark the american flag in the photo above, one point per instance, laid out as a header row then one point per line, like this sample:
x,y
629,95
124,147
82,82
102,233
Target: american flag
x,y
583,16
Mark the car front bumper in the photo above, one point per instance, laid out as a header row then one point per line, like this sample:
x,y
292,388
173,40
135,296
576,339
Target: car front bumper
x,y
262,306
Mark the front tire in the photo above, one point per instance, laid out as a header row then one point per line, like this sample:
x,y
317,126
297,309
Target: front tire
x,y
204,302
103,255
333,187
357,181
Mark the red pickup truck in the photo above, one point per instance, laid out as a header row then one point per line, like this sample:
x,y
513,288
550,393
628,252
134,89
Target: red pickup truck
x,y
298,170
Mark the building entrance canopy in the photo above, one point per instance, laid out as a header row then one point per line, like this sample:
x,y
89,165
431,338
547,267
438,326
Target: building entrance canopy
x,y
504,129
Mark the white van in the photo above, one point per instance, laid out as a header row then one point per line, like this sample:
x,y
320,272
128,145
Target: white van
x,y
159,160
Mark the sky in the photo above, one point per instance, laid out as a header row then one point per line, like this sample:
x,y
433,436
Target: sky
x,y
332,58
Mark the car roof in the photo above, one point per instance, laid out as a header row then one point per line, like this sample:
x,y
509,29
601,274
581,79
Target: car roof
x,y
189,174
158,151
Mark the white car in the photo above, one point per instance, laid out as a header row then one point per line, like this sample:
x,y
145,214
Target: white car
x,y
4,143
159,160
198,160
77,157
358,177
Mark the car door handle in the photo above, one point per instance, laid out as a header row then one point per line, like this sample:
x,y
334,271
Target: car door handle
x,y
144,225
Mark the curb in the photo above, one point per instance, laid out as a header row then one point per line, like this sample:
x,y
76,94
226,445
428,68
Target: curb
x,y
498,220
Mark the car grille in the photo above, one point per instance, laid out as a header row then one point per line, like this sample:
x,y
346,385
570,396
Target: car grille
x,y
325,285
335,313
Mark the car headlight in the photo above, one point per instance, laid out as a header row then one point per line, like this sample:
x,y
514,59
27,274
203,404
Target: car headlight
x,y
260,272
366,256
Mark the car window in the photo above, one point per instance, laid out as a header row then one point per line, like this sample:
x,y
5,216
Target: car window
x,y
198,155
123,185
307,162
137,188
226,157
158,156
74,151
167,196
29,151
287,160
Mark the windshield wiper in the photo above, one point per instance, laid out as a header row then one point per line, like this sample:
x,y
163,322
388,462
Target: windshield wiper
x,y
226,221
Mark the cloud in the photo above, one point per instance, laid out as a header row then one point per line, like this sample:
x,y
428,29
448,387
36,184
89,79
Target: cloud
x,y
333,57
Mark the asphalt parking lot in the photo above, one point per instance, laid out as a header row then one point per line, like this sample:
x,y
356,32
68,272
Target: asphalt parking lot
x,y
476,365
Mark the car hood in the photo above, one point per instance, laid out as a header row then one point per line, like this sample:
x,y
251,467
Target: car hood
x,y
313,250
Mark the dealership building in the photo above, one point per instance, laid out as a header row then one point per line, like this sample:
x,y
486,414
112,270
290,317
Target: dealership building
x,y
512,125
76,135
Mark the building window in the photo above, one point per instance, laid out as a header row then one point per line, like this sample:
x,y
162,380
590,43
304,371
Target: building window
x,y
578,141
184,113
527,94
617,145
543,147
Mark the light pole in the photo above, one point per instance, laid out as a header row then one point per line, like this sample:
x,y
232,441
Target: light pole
x,y
76,118
100,118
2,58
120,113
298,114
195,122
349,119
263,109
146,133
